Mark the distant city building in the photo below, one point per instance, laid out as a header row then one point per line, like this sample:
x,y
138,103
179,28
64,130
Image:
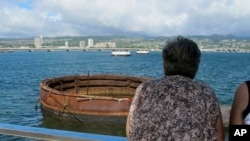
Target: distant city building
x,y
111,44
90,42
82,44
38,41
105,45
66,44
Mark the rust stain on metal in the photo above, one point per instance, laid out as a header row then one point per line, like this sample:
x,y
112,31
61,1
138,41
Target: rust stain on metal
x,y
94,95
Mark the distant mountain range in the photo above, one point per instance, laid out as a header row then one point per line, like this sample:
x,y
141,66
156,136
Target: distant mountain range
x,y
215,37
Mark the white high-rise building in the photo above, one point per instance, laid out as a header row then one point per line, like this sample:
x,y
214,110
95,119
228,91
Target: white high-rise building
x,y
66,44
41,39
82,44
90,42
38,41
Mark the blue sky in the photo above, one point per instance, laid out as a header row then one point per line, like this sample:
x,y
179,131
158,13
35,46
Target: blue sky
x,y
24,5
29,18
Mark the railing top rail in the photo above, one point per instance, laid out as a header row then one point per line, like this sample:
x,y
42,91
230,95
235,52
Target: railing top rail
x,y
53,134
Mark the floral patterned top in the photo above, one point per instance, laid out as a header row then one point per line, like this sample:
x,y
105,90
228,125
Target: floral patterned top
x,y
173,108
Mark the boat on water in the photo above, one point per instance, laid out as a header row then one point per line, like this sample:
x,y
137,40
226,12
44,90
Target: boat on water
x,y
142,52
121,53
100,97
49,50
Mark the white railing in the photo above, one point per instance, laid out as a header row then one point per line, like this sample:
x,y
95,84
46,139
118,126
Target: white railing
x,y
53,134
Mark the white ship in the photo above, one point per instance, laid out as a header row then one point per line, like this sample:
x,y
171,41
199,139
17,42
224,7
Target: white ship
x,y
121,53
142,51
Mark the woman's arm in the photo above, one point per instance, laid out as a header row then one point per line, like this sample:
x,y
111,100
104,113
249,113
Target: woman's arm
x,y
127,126
133,105
220,129
239,105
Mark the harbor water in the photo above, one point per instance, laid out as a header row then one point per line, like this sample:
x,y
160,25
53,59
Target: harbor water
x,y
22,71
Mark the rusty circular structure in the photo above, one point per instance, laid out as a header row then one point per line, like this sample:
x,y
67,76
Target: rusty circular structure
x,y
84,97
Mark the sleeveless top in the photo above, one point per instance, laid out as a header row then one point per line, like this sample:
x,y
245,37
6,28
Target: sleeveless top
x,y
246,112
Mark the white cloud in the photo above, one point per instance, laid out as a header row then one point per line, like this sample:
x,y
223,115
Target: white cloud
x,y
147,17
